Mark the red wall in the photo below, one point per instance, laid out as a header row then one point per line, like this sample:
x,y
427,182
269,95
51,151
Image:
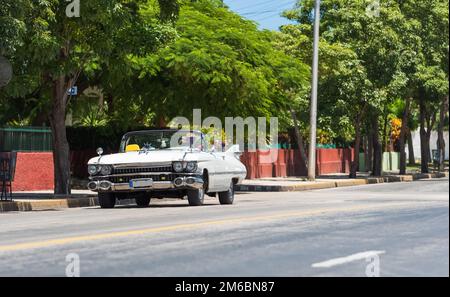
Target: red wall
x,y
333,161
34,171
289,163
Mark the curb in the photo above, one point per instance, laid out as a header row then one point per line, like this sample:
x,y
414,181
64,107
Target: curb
x,y
340,184
47,204
54,204
295,188
420,176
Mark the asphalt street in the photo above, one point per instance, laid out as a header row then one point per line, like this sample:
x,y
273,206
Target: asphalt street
x,y
334,232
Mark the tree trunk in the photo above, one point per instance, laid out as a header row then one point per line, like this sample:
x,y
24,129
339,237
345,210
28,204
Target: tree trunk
x,y
300,141
425,152
441,140
60,144
411,156
369,160
424,146
355,164
377,148
402,139
385,133
366,152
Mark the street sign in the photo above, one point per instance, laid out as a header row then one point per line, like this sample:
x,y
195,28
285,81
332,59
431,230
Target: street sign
x,y
73,91
5,71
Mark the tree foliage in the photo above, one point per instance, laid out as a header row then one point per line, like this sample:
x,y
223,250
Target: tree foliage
x,y
368,60
220,63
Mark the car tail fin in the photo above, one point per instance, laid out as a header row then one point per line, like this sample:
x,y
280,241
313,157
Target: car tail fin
x,y
234,150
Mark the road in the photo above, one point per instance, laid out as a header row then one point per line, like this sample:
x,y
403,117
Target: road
x,y
315,233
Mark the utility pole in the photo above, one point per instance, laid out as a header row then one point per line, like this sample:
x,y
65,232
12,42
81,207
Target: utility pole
x,y
315,80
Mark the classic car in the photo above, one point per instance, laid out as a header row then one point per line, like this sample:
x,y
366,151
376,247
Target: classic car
x,y
165,164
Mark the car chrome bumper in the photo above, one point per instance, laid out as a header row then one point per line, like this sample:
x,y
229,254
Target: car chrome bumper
x,y
188,182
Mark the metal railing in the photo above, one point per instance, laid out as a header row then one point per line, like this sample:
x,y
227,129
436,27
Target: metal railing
x,y
25,139
7,172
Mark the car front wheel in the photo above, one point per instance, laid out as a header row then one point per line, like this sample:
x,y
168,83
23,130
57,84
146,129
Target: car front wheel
x,y
227,198
196,197
106,200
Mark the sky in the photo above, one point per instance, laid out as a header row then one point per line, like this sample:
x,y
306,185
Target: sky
x,y
265,12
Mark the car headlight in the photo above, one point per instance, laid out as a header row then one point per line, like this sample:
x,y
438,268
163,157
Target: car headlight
x,y
106,170
191,166
177,166
92,169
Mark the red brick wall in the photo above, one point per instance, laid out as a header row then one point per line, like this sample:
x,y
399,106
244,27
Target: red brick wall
x,y
34,171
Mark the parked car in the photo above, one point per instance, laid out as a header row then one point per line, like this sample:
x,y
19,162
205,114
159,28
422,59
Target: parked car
x,y
165,164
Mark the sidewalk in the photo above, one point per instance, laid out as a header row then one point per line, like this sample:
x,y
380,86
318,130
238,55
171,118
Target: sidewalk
x,y
45,200
325,182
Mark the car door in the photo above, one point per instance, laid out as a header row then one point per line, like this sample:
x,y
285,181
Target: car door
x,y
223,171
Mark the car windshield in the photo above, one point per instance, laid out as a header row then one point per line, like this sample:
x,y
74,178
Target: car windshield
x,y
162,140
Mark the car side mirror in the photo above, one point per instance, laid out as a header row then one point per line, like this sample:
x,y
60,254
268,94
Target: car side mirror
x,y
99,151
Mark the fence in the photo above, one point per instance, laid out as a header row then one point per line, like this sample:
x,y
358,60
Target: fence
x,y
26,139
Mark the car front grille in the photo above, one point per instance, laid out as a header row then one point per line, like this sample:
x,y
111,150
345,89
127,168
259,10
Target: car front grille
x,y
142,170
155,177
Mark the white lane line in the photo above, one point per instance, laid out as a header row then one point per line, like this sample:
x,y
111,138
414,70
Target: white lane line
x,y
348,259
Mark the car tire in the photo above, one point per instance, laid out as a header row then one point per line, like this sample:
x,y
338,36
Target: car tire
x,y
143,200
227,198
196,197
106,200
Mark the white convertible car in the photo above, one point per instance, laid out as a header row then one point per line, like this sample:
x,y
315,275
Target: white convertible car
x,y
165,164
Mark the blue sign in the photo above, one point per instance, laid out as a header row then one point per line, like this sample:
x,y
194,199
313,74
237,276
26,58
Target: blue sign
x,y
73,91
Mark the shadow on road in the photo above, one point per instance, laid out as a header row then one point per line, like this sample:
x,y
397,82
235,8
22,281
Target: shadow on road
x,y
178,205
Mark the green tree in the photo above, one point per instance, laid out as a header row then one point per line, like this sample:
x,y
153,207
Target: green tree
x,y
343,83
431,76
370,71
11,28
220,63
51,50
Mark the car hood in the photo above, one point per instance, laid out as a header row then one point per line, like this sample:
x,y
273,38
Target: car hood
x,y
164,156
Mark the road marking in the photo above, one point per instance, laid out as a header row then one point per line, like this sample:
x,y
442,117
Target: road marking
x,y
101,236
348,259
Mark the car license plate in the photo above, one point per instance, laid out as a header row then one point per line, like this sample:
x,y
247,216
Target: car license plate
x,y
141,183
